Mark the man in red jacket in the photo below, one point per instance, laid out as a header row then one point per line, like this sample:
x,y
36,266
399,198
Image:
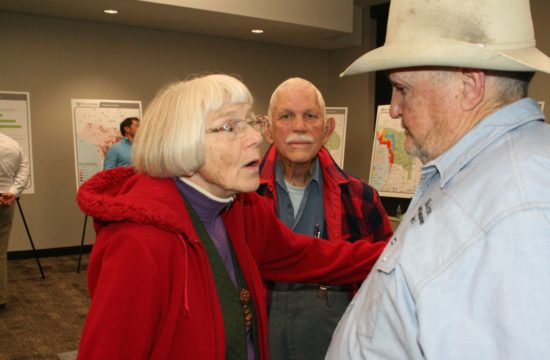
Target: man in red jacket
x,y
312,196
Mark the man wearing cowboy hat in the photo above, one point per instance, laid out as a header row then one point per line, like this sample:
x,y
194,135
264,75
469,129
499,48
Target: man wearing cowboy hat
x,y
466,275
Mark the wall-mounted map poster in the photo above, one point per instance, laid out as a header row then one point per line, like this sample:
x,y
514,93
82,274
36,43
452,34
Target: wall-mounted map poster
x,y
95,128
393,172
15,122
336,145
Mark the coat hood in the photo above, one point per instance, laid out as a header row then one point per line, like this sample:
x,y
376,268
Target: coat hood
x,y
122,195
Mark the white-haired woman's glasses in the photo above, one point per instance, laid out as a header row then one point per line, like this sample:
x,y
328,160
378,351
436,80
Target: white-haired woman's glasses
x,y
236,128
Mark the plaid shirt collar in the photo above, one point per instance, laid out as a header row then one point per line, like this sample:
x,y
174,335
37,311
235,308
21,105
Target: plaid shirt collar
x,y
331,171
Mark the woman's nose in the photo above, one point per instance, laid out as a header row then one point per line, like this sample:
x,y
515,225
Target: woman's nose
x,y
254,135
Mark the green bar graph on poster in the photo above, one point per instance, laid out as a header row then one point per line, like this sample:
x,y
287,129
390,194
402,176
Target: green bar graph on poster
x,y
15,122
9,123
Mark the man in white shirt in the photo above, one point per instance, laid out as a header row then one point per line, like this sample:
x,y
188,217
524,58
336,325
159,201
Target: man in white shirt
x,y
14,176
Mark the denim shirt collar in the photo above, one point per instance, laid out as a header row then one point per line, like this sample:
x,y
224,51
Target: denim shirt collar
x,y
484,133
280,179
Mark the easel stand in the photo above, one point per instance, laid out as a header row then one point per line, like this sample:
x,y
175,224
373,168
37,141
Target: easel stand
x,y
30,238
82,244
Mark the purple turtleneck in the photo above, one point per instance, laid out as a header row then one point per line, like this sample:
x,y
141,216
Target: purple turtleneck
x,y
208,209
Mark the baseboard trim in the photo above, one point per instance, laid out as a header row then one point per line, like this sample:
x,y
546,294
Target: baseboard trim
x,y
28,254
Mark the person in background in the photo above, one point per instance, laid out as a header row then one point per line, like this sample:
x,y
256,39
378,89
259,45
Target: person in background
x,y
312,195
120,154
184,242
466,274
14,176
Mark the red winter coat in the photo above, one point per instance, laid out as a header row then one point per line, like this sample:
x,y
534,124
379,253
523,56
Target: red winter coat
x,y
152,289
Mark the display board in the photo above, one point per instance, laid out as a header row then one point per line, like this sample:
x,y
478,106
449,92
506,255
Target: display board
x,y
15,122
393,172
336,145
95,128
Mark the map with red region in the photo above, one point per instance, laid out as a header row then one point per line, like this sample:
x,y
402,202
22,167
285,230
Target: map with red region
x,y
96,127
393,172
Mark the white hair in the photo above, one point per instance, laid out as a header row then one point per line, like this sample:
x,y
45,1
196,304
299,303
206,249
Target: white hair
x,y
170,139
293,82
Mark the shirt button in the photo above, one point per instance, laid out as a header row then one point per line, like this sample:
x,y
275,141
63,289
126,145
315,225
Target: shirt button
x,y
385,258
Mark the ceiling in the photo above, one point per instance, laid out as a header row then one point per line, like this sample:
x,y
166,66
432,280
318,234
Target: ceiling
x,y
308,23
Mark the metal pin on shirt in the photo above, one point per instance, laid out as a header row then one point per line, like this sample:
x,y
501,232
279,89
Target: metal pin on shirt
x,y
317,231
322,293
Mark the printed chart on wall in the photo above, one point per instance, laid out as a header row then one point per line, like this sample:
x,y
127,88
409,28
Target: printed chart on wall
x,y
15,122
393,172
95,128
336,145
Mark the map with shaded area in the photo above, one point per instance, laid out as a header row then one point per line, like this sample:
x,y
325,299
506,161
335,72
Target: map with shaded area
x,y
394,173
334,143
96,127
394,141
99,136
337,143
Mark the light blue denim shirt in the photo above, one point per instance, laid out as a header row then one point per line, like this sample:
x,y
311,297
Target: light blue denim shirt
x,y
310,217
467,273
119,154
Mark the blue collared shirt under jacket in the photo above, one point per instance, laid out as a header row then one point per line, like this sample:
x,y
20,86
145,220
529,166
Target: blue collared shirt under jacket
x,y
119,154
467,274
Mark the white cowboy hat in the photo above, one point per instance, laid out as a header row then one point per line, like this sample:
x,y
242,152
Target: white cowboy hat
x,y
481,34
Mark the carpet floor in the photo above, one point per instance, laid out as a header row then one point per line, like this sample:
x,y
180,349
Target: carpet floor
x,y
44,317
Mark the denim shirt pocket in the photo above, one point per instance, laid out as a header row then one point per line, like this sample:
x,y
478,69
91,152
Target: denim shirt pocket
x,y
377,289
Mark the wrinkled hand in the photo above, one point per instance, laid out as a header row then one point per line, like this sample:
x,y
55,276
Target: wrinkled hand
x,y
7,198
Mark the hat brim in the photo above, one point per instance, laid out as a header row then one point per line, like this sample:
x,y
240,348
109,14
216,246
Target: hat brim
x,y
449,52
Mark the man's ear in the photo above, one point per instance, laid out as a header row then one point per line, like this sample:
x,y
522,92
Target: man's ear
x,y
329,129
474,88
267,132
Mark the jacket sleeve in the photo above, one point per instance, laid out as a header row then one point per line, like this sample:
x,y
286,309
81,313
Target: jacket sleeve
x,y
283,255
123,280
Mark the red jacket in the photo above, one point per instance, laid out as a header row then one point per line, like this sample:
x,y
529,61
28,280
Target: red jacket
x,y
152,289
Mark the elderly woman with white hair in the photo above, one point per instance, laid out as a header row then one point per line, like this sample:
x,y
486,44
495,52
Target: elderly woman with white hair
x,y
183,242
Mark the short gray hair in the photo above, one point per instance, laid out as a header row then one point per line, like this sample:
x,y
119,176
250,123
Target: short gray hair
x,y
510,85
170,140
296,81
